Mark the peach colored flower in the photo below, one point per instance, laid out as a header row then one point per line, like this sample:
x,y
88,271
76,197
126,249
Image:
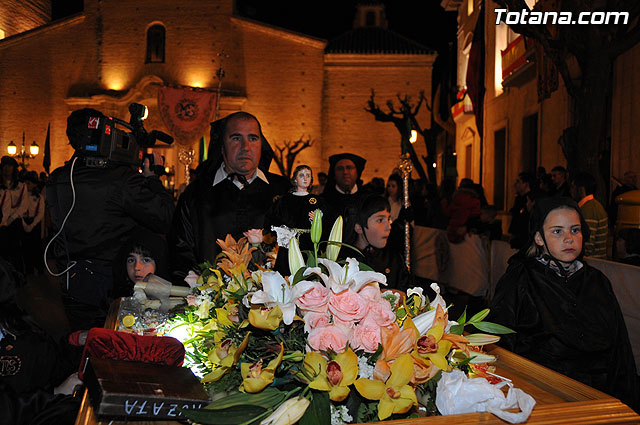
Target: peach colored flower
x,y
331,336
366,336
347,306
313,319
371,292
316,299
191,300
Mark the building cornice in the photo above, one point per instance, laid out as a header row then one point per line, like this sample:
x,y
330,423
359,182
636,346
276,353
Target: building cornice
x,y
53,26
280,32
378,60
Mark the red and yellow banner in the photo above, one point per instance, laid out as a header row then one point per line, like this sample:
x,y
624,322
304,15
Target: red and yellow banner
x,y
186,111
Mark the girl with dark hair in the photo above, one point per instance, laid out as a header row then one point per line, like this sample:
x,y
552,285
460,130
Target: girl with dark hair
x,y
393,193
565,313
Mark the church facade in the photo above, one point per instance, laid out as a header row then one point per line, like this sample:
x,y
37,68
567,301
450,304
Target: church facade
x,y
115,53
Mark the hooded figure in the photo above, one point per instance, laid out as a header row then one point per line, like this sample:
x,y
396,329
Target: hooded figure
x,y
344,185
231,194
564,312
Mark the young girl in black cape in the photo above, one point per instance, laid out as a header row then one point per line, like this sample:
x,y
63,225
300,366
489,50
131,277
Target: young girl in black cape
x,y
565,313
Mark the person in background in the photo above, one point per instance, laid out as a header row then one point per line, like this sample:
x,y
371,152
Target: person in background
x,y
629,183
583,188
564,312
561,185
13,204
487,225
464,206
32,224
628,246
344,186
525,198
394,194
318,188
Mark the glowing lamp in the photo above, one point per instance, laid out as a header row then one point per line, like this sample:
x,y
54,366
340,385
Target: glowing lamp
x,y
434,165
414,136
12,149
34,148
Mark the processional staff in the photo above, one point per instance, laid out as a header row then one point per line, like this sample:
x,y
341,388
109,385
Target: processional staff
x,y
406,166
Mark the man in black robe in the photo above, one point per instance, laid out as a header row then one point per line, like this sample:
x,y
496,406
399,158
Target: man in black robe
x,y
231,194
344,186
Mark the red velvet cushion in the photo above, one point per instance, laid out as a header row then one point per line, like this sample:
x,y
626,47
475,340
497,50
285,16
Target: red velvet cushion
x,y
109,344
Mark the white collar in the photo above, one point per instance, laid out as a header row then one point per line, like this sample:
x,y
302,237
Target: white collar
x,y
222,175
354,189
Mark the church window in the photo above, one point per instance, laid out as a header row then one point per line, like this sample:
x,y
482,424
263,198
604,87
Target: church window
x,y
155,44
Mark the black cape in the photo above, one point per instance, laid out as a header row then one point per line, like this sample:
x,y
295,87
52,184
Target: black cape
x,y
571,325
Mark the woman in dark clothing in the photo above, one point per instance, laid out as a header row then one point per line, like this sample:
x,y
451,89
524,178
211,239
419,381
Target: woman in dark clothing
x,y
565,313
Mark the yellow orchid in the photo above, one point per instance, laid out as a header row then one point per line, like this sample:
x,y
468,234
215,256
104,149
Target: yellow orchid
x,y
433,347
267,318
395,395
334,376
255,378
225,355
203,310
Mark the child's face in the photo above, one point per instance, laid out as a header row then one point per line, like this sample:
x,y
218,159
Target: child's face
x,y
138,266
378,229
392,188
563,233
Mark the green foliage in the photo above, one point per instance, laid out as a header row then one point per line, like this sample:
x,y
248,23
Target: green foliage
x,y
319,411
493,328
246,413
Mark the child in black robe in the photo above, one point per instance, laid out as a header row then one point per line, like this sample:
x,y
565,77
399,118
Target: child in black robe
x,y
565,313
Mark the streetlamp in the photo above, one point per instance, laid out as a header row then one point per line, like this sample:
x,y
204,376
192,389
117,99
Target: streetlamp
x,y
34,149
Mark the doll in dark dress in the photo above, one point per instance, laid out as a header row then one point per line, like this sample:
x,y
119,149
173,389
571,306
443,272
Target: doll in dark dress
x,y
295,210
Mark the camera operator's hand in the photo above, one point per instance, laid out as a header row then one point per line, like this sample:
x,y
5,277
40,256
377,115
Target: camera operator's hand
x,y
147,167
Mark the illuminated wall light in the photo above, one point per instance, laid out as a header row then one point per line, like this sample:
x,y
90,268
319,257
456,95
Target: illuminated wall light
x,y
455,154
12,149
434,165
34,148
414,136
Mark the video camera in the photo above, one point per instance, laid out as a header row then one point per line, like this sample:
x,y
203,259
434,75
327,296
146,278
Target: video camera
x,y
103,142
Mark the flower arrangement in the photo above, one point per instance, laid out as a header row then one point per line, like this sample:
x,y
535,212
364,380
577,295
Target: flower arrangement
x,y
326,344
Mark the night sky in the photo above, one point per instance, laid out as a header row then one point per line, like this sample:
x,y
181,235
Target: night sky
x,y
423,21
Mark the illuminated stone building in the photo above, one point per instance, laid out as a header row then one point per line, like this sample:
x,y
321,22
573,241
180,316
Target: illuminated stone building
x,y
116,52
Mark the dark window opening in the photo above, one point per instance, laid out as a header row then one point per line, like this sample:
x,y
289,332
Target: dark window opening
x,y
155,44
370,19
530,143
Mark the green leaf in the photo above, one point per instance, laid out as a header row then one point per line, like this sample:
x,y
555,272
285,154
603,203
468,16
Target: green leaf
x,y
319,411
366,268
230,416
346,245
266,398
299,275
493,328
456,329
463,318
479,316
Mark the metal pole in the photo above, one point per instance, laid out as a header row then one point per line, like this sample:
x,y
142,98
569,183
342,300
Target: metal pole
x,y
406,167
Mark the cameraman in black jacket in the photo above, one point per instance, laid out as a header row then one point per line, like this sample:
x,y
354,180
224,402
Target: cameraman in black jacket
x,y
110,202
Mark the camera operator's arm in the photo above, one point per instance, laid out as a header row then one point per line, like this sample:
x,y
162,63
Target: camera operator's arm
x,y
147,165
146,200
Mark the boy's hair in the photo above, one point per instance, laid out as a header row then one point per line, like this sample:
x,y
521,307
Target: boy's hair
x,y
141,251
371,205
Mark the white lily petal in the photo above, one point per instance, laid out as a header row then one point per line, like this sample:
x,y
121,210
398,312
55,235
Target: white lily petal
x,y
273,284
362,278
261,297
438,299
300,288
288,312
335,271
424,321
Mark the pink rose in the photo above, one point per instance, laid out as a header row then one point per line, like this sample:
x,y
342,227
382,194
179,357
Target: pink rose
x,y
191,300
192,279
380,313
331,336
315,299
370,292
347,306
366,336
253,235
313,320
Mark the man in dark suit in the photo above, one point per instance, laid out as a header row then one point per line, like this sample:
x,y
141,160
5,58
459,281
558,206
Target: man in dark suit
x,y
231,194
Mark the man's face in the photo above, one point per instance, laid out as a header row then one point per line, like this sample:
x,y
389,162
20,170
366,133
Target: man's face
x,y
521,187
558,178
242,146
346,174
